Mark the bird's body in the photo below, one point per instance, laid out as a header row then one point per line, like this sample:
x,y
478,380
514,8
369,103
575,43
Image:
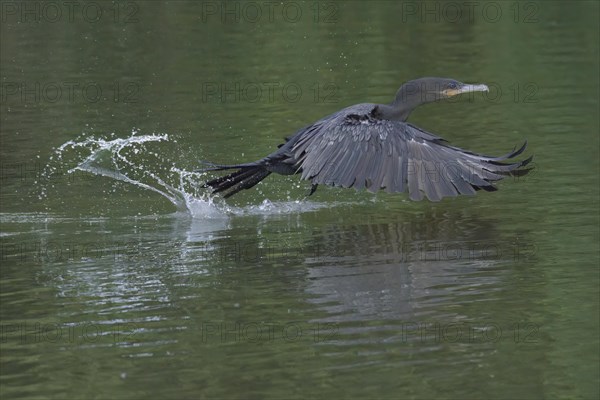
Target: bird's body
x,y
371,146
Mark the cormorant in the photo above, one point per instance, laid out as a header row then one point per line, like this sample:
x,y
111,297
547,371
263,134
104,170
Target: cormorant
x,y
372,146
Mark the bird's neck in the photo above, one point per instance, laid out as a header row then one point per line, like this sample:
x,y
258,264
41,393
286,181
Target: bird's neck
x,y
407,99
396,111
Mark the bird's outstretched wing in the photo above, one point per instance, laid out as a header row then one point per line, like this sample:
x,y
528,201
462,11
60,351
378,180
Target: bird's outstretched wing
x,y
355,149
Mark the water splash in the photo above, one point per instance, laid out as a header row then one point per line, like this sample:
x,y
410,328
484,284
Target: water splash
x,y
132,161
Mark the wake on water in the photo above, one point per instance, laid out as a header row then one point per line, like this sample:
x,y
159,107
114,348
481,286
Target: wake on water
x,y
129,160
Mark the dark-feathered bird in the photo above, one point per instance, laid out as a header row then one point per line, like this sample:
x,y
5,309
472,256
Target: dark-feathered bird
x,y
372,146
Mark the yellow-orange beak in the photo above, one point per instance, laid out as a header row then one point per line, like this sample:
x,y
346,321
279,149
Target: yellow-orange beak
x,y
465,89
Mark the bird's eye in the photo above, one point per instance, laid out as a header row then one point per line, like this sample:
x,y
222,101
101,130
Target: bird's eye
x,y
452,85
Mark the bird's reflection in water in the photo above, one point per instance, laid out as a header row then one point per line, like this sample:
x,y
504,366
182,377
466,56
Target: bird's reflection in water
x,y
414,268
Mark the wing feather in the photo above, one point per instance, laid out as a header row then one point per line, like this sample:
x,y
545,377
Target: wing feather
x,y
354,149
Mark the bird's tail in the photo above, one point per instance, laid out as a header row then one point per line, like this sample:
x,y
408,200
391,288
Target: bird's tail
x,y
246,176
